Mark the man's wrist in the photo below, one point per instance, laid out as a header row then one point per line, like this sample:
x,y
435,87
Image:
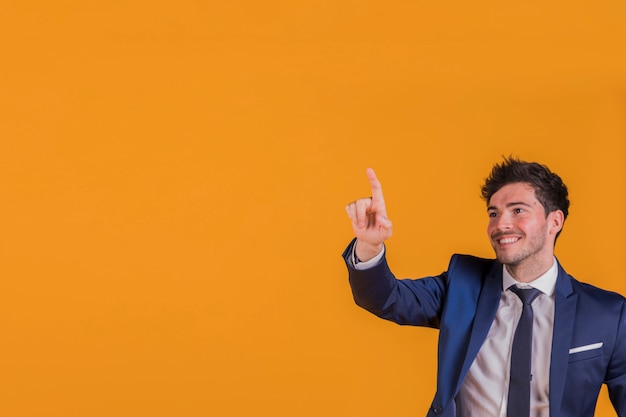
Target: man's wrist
x,y
364,252
362,265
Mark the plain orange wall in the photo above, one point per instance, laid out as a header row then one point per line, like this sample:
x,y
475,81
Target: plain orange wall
x,y
173,178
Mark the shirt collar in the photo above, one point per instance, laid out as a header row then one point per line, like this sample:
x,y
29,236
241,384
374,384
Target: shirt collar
x,y
546,283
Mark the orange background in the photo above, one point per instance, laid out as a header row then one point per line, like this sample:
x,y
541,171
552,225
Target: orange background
x,y
173,178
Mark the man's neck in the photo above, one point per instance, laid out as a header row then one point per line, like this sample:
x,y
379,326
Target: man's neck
x,y
529,271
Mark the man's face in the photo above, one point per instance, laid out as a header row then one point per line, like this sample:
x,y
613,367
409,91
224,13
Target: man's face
x,y
519,230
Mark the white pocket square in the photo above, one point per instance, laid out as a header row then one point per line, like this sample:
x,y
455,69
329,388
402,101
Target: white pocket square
x,y
586,347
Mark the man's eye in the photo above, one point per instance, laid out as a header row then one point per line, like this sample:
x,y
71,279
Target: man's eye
x,y
518,210
492,214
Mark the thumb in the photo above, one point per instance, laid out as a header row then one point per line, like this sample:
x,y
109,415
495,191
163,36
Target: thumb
x,y
384,221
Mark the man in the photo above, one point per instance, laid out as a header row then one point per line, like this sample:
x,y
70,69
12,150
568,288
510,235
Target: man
x,y
518,335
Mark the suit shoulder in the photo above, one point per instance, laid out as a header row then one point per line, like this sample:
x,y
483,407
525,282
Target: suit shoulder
x,y
596,292
470,263
470,260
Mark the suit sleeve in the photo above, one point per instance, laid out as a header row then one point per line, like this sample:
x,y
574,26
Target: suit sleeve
x,y
616,374
417,302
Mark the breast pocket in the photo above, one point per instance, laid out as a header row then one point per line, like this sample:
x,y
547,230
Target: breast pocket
x,y
584,352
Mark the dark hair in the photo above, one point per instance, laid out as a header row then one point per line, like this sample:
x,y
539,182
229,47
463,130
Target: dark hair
x,y
549,188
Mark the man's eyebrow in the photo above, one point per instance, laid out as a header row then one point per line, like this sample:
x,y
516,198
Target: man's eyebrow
x,y
511,204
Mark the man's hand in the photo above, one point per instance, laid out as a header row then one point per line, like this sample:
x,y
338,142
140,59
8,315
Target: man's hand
x,y
369,221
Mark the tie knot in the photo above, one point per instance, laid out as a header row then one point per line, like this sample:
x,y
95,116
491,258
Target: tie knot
x,y
527,295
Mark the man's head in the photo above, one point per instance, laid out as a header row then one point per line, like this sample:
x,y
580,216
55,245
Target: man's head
x,y
527,206
549,188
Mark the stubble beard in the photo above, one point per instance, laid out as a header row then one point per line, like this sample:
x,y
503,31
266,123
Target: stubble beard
x,y
513,260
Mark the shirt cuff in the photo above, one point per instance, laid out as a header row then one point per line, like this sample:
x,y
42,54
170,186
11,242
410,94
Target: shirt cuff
x,y
357,264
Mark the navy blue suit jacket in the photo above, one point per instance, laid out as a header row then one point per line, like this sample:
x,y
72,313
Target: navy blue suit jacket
x,y
462,304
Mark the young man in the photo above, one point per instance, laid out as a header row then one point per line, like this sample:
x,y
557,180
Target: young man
x,y
518,335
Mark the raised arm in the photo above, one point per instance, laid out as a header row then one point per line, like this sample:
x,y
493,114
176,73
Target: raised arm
x,y
369,220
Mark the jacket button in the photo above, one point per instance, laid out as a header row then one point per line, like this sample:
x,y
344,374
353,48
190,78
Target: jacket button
x,y
437,410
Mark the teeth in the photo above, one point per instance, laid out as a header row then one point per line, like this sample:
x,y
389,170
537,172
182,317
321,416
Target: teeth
x,y
509,240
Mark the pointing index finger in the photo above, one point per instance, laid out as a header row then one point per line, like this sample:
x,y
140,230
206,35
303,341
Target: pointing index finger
x,y
377,189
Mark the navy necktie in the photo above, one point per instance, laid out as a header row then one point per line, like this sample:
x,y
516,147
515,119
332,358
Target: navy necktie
x,y
519,386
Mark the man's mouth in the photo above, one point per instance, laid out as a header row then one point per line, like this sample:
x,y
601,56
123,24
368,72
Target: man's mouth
x,y
507,240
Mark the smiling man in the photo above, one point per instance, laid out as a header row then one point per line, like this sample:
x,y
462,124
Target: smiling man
x,y
519,337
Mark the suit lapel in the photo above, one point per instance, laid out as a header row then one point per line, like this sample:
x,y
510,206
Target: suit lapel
x,y
486,309
564,313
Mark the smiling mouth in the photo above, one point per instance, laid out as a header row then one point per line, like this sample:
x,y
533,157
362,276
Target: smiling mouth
x,y
507,240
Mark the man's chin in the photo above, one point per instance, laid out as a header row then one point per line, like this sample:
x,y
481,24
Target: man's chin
x,y
507,260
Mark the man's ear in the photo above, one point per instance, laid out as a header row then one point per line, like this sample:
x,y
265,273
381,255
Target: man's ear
x,y
555,221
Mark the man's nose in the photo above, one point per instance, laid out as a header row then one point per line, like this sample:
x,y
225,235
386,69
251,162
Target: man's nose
x,y
504,222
